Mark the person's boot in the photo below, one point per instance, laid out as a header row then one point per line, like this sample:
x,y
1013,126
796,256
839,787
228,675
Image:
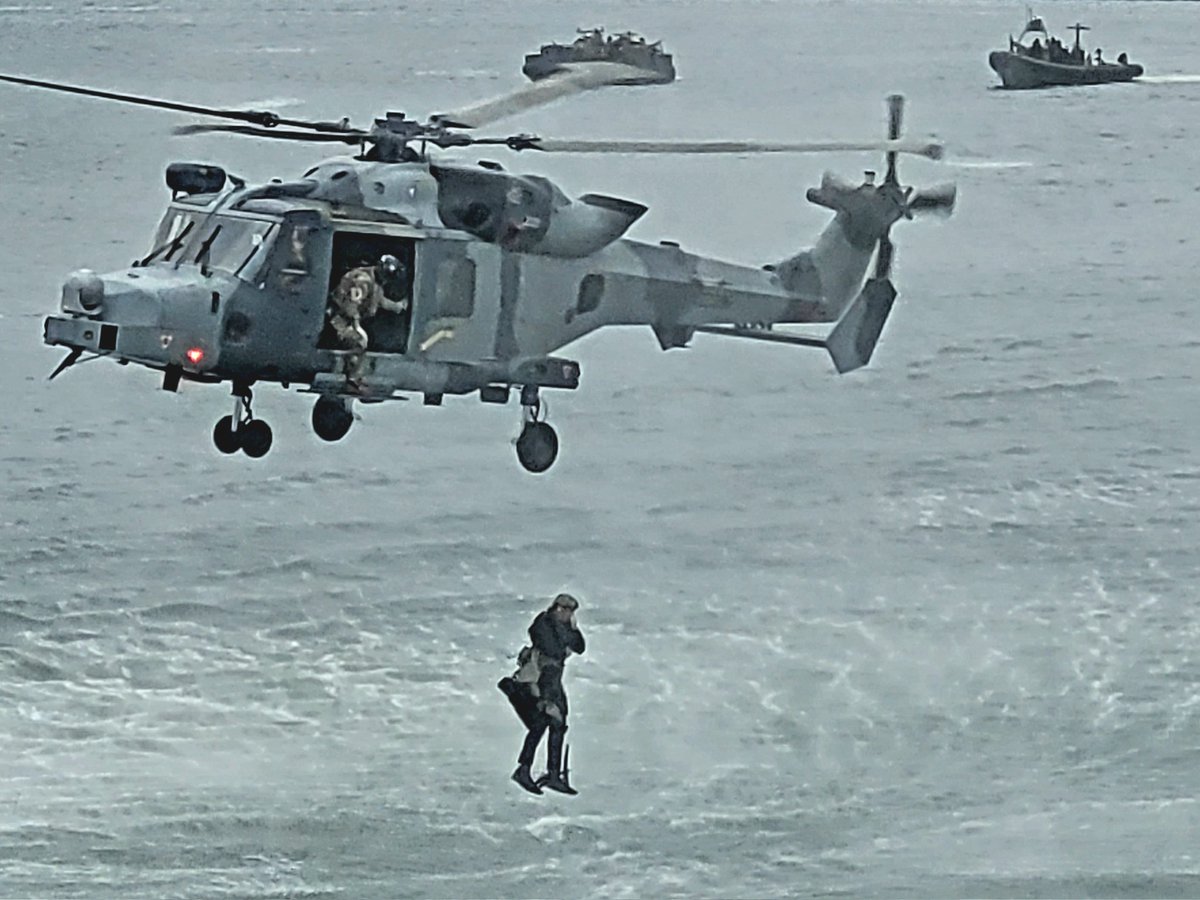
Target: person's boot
x,y
553,779
524,778
556,782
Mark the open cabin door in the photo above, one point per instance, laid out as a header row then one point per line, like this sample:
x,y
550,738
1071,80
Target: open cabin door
x,y
387,331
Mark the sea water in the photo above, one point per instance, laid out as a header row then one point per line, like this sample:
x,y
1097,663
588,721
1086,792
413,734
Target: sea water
x,y
927,629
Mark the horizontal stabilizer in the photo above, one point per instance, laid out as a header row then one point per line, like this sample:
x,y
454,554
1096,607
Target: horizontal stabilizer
x,y
759,334
853,339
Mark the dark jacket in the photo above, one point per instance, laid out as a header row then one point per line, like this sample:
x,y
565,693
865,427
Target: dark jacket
x,y
553,639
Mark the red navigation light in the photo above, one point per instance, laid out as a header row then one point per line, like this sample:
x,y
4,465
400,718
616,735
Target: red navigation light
x,y
195,355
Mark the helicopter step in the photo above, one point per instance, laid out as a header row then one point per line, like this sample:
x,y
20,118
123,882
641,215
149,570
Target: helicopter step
x,y
241,431
332,415
365,389
381,375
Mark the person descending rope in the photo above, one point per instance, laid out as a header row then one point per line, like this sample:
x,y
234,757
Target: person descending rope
x,y
536,692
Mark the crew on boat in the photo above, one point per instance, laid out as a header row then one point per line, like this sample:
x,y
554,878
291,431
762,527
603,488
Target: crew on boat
x,y
1056,52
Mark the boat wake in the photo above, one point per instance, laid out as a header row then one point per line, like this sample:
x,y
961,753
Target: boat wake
x,y
987,163
1168,79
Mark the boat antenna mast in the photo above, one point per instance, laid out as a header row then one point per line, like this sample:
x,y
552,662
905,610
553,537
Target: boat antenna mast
x,y
1078,28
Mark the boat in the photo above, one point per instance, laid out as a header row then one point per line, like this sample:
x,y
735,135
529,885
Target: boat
x,y
592,45
1036,59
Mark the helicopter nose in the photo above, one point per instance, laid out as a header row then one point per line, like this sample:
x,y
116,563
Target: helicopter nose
x,y
154,317
83,292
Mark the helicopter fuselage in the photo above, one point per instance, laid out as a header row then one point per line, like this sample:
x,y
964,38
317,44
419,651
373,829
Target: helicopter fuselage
x,y
390,272
503,271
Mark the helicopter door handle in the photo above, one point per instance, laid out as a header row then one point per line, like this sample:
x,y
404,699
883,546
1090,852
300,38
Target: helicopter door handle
x,y
438,336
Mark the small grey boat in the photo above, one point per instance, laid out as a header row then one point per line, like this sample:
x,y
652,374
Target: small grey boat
x,y
593,45
1036,59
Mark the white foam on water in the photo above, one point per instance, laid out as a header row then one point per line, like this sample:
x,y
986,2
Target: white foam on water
x,y
1168,79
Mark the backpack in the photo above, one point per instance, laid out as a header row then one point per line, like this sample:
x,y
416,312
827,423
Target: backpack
x,y
521,687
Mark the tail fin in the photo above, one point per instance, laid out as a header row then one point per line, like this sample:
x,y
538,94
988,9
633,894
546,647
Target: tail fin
x,y
832,271
853,339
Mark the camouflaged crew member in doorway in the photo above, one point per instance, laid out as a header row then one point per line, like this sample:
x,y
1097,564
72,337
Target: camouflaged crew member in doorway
x,y
554,635
359,295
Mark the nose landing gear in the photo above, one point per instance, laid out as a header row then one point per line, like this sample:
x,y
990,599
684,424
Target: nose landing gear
x,y
537,445
241,431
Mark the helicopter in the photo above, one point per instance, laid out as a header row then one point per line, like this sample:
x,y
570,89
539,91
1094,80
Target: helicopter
x,y
497,271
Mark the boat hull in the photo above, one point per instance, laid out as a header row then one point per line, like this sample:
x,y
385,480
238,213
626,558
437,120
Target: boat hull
x,y
1019,72
656,69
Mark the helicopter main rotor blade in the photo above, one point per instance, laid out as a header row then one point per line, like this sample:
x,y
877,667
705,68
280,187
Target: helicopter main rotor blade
x,y
574,78
259,117
344,137
919,148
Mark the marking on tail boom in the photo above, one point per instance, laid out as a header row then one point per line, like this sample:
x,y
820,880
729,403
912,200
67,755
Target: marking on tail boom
x,y
852,340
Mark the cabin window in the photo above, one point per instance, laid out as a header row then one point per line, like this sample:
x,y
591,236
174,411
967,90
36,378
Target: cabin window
x,y
293,256
591,289
296,258
455,290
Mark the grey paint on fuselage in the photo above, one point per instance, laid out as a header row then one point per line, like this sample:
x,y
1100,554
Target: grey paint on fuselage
x,y
526,271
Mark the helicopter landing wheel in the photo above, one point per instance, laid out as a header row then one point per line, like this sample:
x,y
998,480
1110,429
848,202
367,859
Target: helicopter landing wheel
x,y
537,447
256,438
331,418
253,437
227,436
241,431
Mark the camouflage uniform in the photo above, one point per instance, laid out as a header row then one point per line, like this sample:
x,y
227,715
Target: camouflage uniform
x,y
356,299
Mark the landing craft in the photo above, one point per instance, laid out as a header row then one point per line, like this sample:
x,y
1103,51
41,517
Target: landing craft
x,y
496,271
651,63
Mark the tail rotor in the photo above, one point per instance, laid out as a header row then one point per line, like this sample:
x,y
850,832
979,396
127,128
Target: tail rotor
x,y
938,200
853,339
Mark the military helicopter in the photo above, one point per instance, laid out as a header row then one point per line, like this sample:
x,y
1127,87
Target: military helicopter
x,y
500,270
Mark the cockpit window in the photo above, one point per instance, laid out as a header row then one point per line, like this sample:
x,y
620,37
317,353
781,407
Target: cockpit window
x,y
171,235
233,244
